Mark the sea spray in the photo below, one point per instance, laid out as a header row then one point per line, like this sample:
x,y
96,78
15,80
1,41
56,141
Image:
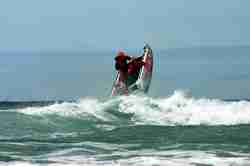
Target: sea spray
x,y
177,109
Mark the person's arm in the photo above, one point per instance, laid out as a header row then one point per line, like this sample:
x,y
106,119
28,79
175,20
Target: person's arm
x,y
128,57
140,58
137,58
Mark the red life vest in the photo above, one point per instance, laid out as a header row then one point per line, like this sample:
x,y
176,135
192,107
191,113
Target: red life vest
x,y
134,66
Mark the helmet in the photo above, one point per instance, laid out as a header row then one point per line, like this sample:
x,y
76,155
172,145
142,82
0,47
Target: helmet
x,y
120,53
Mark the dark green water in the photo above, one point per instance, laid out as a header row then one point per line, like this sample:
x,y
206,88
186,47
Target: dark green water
x,y
134,130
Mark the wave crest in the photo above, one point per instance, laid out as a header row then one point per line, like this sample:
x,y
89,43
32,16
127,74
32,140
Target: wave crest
x,y
177,109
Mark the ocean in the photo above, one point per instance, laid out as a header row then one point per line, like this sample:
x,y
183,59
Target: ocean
x,y
197,112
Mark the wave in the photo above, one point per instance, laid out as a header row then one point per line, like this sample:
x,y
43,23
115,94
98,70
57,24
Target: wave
x,y
127,130
170,158
177,109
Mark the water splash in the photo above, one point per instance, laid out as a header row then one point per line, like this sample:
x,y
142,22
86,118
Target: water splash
x,y
177,109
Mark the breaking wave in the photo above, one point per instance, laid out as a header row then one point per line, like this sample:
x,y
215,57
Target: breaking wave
x,y
127,130
177,109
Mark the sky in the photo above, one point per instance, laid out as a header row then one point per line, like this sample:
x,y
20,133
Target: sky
x,y
62,49
46,25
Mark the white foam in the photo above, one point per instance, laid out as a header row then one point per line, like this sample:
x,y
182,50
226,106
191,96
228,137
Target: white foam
x,y
178,109
170,158
80,109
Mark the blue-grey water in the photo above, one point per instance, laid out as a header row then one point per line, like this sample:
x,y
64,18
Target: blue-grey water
x,y
197,112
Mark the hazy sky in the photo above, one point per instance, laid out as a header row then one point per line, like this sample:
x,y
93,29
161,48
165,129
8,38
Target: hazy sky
x,y
46,25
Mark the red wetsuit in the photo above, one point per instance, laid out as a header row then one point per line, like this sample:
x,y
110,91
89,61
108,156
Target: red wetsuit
x,y
135,65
